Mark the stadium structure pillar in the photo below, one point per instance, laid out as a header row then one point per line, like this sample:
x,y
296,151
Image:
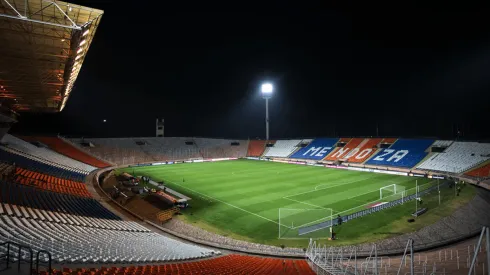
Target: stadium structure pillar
x,y
266,118
266,90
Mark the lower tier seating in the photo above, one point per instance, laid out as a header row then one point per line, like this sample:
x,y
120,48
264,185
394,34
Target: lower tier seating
x,y
78,244
481,172
364,150
283,148
256,148
225,265
459,157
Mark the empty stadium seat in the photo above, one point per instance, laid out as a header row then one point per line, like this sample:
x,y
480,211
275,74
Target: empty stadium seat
x,y
28,196
282,148
79,244
67,149
403,153
221,148
256,148
225,265
363,151
45,154
152,149
481,172
459,157
48,182
344,152
35,164
316,150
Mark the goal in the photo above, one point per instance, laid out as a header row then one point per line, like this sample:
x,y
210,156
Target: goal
x,y
292,221
391,190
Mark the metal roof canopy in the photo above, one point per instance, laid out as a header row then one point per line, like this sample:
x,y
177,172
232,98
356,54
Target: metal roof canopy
x,y
42,47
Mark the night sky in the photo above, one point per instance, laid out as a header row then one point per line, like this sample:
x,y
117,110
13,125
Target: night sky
x,y
335,74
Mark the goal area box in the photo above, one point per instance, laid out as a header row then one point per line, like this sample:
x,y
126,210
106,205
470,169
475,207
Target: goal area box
x,y
293,221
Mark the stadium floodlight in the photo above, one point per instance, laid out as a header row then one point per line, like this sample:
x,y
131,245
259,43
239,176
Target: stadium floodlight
x,y
85,32
266,90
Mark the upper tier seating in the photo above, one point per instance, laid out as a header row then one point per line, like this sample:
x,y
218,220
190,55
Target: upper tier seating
x,y
256,148
458,157
80,244
219,148
45,154
67,149
226,265
344,152
39,165
316,150
28,196
403,153
442,143
481,172
48,182
282,148
363,151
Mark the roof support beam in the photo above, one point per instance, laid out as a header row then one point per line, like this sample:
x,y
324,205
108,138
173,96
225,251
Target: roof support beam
x,y
26,18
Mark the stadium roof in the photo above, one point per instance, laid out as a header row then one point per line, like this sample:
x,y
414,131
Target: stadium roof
x,y
42,47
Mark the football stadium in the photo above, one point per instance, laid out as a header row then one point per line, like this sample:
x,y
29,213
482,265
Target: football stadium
x,y
330,204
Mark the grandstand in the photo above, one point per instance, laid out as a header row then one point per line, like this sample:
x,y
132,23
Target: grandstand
x,y
316,150
403,153
256,148
60,195
458,157
282,148
63,147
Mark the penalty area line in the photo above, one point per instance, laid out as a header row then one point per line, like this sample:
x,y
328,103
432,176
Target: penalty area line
x,y
229,204
320,207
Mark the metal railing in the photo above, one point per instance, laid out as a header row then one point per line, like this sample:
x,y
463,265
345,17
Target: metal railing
x,y
10,256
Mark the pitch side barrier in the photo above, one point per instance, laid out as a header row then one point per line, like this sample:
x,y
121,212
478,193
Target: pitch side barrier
x,y
179,161
352,168
346,218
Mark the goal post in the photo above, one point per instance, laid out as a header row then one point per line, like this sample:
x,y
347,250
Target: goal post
x,y
290,221
391,190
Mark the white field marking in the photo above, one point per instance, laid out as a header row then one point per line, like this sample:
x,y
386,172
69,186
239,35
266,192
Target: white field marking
x,y
286,238
229,204
345,183
306,203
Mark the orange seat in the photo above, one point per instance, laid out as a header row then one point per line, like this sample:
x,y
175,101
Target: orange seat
x,y
51,183
481,172
67,149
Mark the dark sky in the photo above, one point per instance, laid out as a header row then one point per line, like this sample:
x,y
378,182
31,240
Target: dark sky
x,y
335,74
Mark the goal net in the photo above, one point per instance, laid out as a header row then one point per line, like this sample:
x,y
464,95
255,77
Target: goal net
x,y
393,191
291,221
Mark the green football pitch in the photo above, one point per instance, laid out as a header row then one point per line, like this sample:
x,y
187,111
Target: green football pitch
x,y
242,199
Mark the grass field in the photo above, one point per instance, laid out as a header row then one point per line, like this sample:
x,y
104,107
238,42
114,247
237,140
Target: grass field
x,y
241,199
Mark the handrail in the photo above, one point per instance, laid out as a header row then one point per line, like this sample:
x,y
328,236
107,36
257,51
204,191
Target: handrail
x,y
50,271
19,258
7,256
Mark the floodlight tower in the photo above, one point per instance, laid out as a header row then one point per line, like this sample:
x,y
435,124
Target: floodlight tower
x,y
266,90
